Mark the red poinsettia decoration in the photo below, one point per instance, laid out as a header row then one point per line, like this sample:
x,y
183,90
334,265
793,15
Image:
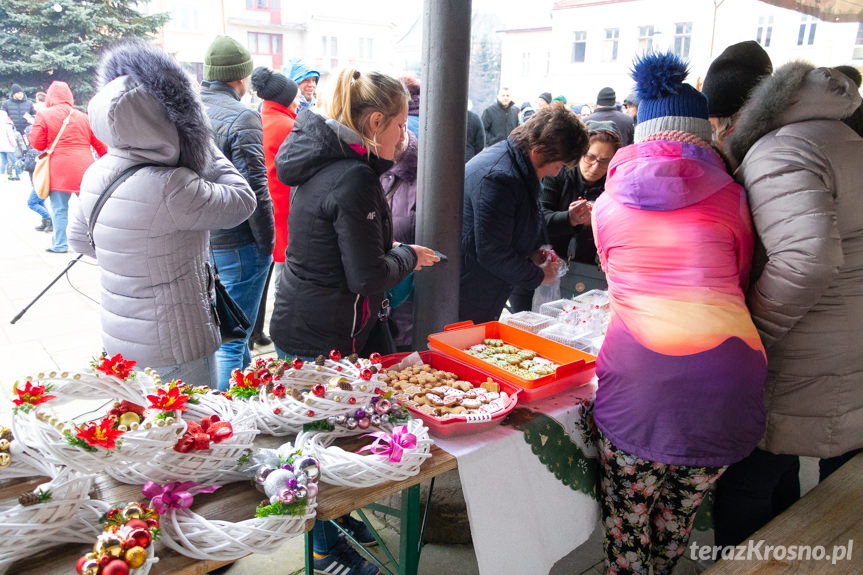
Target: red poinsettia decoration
x,y
116,366
30,396
168,400
102,433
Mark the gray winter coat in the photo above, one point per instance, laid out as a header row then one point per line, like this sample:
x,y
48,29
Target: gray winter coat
x,y
152,234
801,167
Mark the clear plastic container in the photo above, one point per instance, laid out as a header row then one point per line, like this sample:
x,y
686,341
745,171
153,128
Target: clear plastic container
x,y
565,333
555,308
528,321
594,298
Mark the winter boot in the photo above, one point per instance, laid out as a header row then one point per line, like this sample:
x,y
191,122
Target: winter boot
x,y
44,225
49,227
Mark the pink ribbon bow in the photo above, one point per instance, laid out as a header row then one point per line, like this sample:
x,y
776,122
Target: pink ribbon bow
x,y
392,445
174,495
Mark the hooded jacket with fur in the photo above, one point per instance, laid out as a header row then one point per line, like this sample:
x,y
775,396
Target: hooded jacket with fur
x,y
801,167
152,234
72,154
340,259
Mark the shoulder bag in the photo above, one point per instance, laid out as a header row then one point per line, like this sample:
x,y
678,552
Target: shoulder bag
x,y
233,322
42,172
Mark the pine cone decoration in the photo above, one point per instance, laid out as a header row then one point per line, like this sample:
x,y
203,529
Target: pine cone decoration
x,y
29,498
320,360
345,385
353,358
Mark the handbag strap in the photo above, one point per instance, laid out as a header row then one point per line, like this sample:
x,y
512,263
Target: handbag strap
x,y
60,133
107,194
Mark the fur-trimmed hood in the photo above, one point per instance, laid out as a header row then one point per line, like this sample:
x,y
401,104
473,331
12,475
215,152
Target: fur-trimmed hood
x,y
797,92
147,110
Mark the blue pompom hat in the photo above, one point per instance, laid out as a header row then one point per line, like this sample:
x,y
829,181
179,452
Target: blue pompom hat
x,y
667,103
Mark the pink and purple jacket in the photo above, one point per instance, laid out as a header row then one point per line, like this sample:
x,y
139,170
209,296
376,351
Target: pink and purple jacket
x,y
682,369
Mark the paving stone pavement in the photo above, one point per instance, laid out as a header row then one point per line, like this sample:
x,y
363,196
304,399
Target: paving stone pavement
x,y
61,331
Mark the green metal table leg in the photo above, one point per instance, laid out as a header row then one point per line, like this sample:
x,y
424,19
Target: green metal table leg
x,y
409,557
310,558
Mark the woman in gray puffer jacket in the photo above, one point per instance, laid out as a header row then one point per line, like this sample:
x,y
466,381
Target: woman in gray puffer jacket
x,y
151,237
800,165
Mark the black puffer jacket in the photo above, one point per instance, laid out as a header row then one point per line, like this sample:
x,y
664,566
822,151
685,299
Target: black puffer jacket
x,y
16,110
340,260
239,135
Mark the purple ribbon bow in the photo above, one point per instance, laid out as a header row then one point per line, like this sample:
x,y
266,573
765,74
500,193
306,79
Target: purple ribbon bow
x,y
392,445
173,495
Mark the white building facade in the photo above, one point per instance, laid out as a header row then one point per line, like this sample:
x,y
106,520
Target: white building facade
x,y
329,35
591,44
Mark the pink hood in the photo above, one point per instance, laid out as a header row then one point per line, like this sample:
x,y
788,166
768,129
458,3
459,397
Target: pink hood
x,y
665,175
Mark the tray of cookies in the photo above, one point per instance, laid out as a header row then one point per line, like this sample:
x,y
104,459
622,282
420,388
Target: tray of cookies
x,y
539,366
452,398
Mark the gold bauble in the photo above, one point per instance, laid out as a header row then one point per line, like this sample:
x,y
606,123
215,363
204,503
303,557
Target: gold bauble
x,y
170,420
337,398
132,511
133,426
129,418
90,567
5,460
160,423
64,374
136,556
4,445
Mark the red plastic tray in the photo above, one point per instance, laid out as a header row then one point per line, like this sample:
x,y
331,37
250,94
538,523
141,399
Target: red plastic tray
x,y
576,367
460,424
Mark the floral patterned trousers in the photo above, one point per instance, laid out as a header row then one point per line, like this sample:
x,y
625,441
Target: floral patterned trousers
x,y
647,509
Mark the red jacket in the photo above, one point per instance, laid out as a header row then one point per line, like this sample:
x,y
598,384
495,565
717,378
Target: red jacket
x,y
278,122
72,155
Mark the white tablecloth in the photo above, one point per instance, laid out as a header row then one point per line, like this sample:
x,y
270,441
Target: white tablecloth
x,y
523,519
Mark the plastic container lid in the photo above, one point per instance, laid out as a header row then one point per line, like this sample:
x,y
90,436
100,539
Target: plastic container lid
x,y
567,334
555,308
528,321
594,297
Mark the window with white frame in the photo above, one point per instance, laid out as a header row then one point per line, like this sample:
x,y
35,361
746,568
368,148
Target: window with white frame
x,y
365,52
645,38
764,31
184,17
682,38
260,43
262,4
525,63
858,44
329,46
609,46
806,34
579,45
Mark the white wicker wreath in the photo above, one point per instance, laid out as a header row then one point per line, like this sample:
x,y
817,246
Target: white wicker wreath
x,y
46,435
220,463
68,516
340,467
195,536
22,463
312,392
286,476
91,383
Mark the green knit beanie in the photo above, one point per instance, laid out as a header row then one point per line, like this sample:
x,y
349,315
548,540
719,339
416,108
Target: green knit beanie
x,y
227,60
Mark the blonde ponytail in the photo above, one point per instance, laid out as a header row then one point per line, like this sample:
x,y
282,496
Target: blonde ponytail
x,y
355,96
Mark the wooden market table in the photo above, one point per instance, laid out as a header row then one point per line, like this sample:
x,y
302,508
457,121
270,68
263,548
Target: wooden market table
x,y
236,502
830,515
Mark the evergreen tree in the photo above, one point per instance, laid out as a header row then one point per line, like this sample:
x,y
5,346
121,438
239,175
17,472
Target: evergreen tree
x,y
484,73
46,40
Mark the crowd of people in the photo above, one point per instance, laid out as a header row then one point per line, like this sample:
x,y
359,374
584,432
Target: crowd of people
x,y
724,223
